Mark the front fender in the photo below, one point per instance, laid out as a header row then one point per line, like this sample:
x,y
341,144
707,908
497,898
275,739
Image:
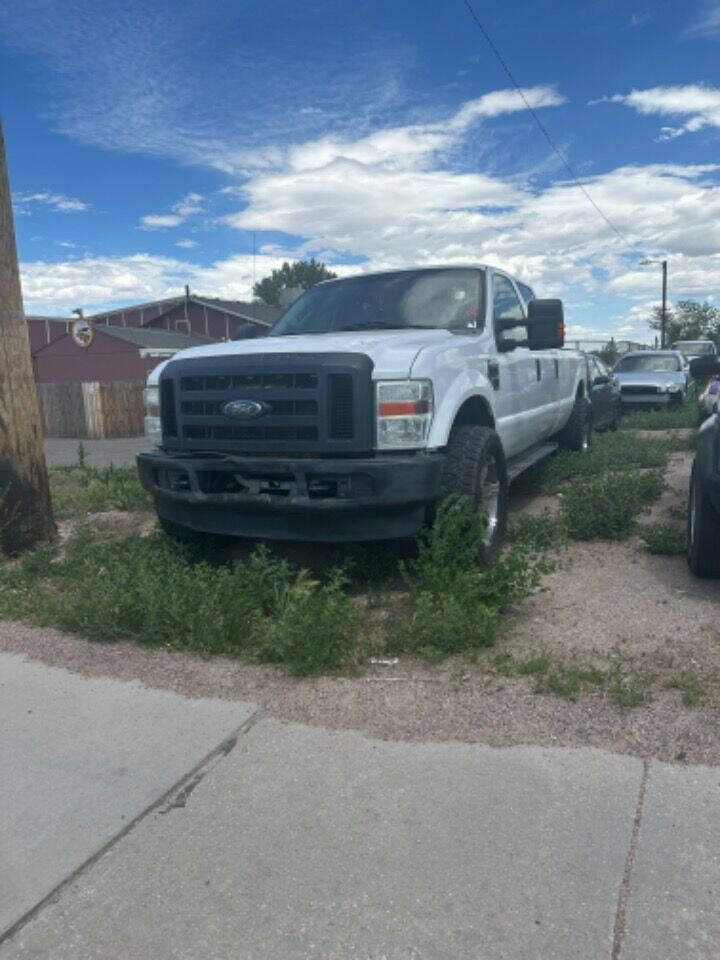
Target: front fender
x,y
463,388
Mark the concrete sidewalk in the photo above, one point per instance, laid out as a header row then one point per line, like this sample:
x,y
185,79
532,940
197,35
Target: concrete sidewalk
x,y
294,842
98,453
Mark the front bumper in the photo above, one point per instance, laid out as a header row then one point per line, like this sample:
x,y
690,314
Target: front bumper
x,y
339,499
650,399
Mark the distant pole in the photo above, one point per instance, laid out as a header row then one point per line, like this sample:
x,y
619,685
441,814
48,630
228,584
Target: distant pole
x,y
253,259
663,328
25,508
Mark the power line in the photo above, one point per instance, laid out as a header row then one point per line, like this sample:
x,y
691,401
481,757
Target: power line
x,y
544,131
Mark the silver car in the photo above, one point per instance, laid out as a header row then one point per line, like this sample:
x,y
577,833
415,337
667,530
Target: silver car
x,y
653,378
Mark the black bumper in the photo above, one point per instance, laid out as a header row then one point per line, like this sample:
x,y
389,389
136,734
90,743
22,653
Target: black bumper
x,y
343,499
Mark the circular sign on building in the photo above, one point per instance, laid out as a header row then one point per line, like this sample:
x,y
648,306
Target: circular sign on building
x,y
82,332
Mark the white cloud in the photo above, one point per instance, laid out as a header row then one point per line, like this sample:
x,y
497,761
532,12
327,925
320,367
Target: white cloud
x,y
186,244
188,206
416,144
700,105
159,221
24,202
97,283
707,25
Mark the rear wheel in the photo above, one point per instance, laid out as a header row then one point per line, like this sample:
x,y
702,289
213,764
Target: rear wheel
x,y
703,531
475,468
577,433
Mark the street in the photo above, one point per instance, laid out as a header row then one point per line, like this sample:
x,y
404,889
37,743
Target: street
x,y
63,452
139,823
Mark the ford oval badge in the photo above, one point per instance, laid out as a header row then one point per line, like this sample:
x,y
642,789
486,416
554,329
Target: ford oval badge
x,y
245,409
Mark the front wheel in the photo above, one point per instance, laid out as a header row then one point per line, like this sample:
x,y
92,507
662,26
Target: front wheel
x,y
703,531
475,468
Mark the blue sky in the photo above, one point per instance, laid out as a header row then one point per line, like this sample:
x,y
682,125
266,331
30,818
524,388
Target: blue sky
x,y
150,144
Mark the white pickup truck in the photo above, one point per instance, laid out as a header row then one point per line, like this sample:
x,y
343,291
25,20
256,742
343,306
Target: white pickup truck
x,y
372,397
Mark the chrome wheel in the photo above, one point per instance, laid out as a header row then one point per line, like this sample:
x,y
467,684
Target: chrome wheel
x,y
490,499
585,444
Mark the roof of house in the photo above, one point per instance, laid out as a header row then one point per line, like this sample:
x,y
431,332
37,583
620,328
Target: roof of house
x,y
148,337
259,312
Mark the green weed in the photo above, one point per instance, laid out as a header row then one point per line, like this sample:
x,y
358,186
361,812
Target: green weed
x,y
689,684
79,490
606,507
664,538
157,593
458,605
540,532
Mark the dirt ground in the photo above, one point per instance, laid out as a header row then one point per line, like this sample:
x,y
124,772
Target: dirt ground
x,y
603,601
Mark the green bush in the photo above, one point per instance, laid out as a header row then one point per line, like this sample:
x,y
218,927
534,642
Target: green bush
x,y
539,532
312,630
458,605
606,507
664,538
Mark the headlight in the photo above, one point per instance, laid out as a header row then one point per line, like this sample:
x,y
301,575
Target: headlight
x,y
404,413
151,396
673,387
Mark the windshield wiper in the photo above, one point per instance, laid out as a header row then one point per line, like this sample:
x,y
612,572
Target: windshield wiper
x,y
383,325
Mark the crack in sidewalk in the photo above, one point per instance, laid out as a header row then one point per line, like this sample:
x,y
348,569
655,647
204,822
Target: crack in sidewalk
x,y
185,784
624,892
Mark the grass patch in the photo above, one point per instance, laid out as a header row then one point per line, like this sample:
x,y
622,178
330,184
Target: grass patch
x,y
79,490
568,680
683,415
664,538
157,593
610,453
606,507
689,684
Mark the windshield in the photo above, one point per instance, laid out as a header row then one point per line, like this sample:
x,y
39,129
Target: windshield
x,y
428,299
649,363
695,348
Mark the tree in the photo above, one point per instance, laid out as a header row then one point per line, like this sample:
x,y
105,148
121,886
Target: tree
x,y
302,273
609,353
689,320
25,509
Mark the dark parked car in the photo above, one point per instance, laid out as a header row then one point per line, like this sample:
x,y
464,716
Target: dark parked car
x,y
704,504
605,401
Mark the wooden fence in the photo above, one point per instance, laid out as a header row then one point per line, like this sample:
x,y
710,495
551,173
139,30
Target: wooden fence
x,y
92,411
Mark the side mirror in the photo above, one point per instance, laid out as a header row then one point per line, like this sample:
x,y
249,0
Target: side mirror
x,y
545,325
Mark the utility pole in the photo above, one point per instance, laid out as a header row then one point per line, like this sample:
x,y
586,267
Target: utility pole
x,y
663,329
663,314
25,508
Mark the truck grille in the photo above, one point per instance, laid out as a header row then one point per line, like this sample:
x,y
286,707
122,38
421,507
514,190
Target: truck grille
x,y
311,403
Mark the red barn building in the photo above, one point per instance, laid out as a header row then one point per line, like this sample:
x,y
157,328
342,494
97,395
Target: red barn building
x,y
127,343
114,354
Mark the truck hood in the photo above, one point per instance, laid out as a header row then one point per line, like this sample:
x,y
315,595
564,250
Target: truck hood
x,y
391,351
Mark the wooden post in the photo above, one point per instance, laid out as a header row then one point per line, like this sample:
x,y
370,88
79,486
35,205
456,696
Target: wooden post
x,y
25,509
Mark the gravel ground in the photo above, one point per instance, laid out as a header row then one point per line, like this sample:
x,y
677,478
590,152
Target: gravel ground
x,y
604,601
